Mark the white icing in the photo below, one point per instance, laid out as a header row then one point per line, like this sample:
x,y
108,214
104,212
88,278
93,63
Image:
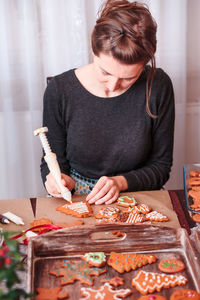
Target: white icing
x,y
79,207
155,282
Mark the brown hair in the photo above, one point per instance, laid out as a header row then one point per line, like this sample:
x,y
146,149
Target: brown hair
x,y
127,31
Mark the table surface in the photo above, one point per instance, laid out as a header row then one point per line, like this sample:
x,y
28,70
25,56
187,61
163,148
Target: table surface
x,y
179,206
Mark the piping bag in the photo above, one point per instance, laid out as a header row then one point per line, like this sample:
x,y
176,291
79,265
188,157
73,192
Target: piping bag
x,y
52,163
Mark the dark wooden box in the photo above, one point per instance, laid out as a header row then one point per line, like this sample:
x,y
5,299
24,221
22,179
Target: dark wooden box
x,y
47,251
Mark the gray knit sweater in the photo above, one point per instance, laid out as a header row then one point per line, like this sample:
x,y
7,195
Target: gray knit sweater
x,y
111,136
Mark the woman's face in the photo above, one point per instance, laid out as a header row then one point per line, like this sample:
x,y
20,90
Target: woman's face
x,y
113,75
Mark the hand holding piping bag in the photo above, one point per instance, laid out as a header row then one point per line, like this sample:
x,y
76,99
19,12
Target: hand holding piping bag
x,y
52,163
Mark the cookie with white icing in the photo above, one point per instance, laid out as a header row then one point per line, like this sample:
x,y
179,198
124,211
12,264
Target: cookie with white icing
x,y
148,282
81,209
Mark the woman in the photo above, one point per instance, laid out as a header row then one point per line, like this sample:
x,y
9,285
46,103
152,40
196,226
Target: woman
x,y
111,122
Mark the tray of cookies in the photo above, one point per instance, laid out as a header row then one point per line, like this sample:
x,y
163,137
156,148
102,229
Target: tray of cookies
x,y
113,261
191,177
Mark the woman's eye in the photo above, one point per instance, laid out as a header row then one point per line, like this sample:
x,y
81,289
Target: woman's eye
x,y
104,72
128,79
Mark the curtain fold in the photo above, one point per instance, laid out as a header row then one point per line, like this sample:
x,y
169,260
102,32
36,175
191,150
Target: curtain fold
x,y
45,38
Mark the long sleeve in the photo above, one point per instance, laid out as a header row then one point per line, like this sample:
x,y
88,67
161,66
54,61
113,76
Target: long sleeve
x,y
54,119
155,172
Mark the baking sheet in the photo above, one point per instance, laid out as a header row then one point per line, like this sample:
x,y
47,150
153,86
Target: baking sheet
x,y
47,252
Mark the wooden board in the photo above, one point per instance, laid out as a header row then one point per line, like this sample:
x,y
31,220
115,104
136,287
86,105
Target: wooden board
x,y
48,251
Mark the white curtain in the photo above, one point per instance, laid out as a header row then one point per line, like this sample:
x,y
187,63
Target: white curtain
x,y
40,38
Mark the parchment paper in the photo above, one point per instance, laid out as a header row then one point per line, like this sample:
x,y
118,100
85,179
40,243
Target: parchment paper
x,y
20,207
158,200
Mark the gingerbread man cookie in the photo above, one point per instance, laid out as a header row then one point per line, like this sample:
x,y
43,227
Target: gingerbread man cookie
x,y
105,292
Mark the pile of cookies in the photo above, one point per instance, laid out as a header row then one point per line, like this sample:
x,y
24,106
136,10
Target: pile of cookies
x,y
94,264
194,193
134,213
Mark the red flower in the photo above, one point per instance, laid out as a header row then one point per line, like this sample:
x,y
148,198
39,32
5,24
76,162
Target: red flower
x,y
7,261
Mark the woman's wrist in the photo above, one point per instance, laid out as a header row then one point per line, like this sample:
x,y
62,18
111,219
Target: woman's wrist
x,y
121,182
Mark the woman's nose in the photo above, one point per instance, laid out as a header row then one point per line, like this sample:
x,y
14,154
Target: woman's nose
x,y
113,84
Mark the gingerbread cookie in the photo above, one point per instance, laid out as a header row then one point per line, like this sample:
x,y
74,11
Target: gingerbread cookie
x,y
113,281
71,271
196,218
194,173
95,259
134,218
80,209
156,216
171,265
118,233
185,294
147,282
108,212
73,223
152,297
40,222
51,294
122,262
105,292
142,208
126,201
195,195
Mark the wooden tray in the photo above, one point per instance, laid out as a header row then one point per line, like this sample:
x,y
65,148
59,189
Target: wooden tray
x,y
47,252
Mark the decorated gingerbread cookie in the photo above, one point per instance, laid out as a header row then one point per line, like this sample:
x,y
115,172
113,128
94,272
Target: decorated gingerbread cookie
x,y
142,208
105,292
148,282
115,281
156,216
134,218
77,222
171,265
109,212
185,294
80,209
51,294
71,271
95,259
152,297
41,222
122,262
196,218
126,201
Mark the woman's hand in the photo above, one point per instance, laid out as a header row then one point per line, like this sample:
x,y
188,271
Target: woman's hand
x,y
107,190
53,188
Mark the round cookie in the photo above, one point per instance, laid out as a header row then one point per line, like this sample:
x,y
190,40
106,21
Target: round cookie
x,y
196,218
171,265
96,259
152,297
185,294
